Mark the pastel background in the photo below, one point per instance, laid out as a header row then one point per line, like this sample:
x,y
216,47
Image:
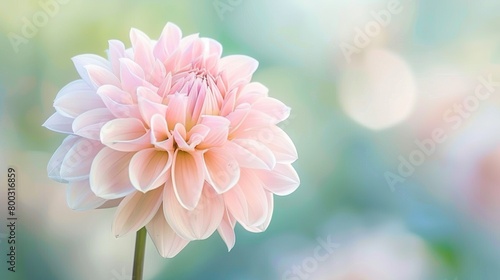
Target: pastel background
x,y
395,114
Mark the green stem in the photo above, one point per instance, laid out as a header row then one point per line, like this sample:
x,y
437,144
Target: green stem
x,y
140,249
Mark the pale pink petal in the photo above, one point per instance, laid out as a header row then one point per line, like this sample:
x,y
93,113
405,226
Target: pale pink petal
x,y
89,124
272,107
247,201
226,230
109,176
223,171
168,41
188,175
115,52
282,180
131,75
77,162
143,50
177,108
197,134
84,60
101,76
59,123
149,169
179,134
119,102
262,227
149,108
218,133
55,162
238,69
251,154
77,85
160,133
252,92
77,102
198,223
80,197
167,242
126,135
135,211
274,138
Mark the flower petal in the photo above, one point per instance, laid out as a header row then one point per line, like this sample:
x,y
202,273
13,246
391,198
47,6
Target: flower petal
x,y
119,102
116,51
262,227
101,76
80,197
83,60
177,108
251,154
149,169
226,230
167,242
188,177
272,107
282,180
89,124
238,69
55,162
126,135
219,131
59,123
198,223
77,102
136,210
77,162
168,41
247,201
223,171
149,108
109,176
143,51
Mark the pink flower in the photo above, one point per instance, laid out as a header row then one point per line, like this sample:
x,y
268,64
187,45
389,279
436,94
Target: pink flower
x,y
177,137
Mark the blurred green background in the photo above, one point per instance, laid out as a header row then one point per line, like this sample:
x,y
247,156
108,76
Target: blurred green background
x,y
369,83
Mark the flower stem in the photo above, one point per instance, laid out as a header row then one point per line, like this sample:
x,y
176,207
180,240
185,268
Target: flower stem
x,y
140,248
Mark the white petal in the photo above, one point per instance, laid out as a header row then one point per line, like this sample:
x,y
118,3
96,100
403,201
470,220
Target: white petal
x,y
80,197
59,123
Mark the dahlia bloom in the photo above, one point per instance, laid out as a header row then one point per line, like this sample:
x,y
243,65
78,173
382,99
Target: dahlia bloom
x,y
176,136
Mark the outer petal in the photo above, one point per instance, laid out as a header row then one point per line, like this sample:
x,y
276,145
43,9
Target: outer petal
x,y
109,176
238,69
198,223
282,180
149,169
226,230
275,139
77,102
101,76
89,124
272,107
167,242
77,162
247,201
79,91
80,197
168,41
55,162
135,211
59,123
187,177
81,61
126,135
223,171
262,227
251,154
